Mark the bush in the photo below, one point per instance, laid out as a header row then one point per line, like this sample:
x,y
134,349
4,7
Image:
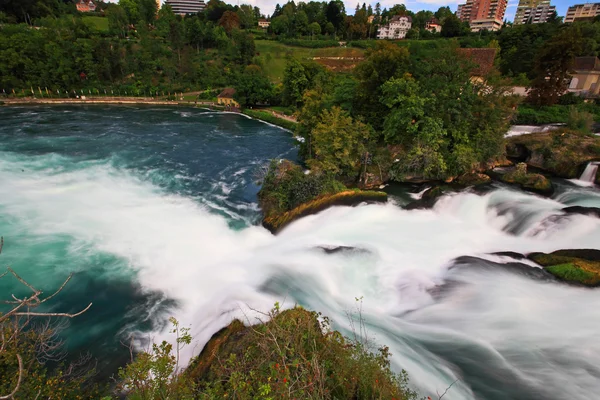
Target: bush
x,y
285,186
531,115
295,355
580,121
362,44
569,99
312,44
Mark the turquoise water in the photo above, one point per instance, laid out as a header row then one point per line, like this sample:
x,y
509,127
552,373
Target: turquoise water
x,y
58,164
154,211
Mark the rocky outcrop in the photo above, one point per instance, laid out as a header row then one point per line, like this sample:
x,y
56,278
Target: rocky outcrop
x,y
276,222
577,266
563,153
531,182
589,211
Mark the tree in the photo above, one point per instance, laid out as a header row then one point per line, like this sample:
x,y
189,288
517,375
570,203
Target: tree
x,y
335,13
442,13
253,87
132,10
314,29
329,28
280,25
229,21
339,143
246,16
28,340
117,20
244,45
451,27
552,66
295,82
383,62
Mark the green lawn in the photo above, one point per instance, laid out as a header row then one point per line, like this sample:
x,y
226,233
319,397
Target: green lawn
x,y
273,55
99,23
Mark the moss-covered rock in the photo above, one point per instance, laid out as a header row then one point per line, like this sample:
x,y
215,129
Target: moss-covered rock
x,y
580,266
276,222
563,153
528,181
473,179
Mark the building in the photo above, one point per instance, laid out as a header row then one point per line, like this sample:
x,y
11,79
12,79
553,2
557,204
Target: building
x,y
396,28
586,76
582,12
483,60
483,14
525,7
85,6
184,7
534,15
263,23
433,26
225,98
460,11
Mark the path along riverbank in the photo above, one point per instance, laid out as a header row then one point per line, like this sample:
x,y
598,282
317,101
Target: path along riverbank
x,y
265,115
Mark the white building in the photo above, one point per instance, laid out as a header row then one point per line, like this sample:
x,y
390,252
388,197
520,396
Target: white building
x,y
396,28
184,7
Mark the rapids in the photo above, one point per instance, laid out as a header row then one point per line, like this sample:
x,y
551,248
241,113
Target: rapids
x,y
154,210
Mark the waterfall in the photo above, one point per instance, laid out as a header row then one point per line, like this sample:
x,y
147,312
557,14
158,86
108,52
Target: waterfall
x,y
589,175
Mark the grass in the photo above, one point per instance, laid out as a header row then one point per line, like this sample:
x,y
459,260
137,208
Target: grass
x,y
270,118
99,23
273,55
276,222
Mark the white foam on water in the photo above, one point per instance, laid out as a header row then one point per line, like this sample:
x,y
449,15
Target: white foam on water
x,y
543,333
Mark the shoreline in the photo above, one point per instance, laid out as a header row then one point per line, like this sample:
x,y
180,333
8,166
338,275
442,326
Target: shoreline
x,y
270,119
95,100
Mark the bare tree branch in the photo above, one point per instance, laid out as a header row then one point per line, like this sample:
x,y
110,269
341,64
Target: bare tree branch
x,y
11,395
446,391
35,314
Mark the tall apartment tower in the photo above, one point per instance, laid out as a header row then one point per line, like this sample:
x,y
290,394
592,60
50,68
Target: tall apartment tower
x,y
184,7
582,12
533,15
483,14
533,11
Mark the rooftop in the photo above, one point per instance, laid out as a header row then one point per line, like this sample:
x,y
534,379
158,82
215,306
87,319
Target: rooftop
x,y
227,93
586,64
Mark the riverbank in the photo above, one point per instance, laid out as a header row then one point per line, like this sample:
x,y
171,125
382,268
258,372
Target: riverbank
x,y
266,115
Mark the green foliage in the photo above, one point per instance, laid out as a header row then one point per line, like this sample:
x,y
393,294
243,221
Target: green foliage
x,y
339,143
294,355
154,374
382,63
580,121
552,66
285,186
62,382
438,117
312,44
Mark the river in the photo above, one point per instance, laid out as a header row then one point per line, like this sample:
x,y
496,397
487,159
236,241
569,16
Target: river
x,y
154,211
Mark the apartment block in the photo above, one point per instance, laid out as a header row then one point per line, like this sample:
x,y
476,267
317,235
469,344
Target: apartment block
x,y
483,14
582,12
534,15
